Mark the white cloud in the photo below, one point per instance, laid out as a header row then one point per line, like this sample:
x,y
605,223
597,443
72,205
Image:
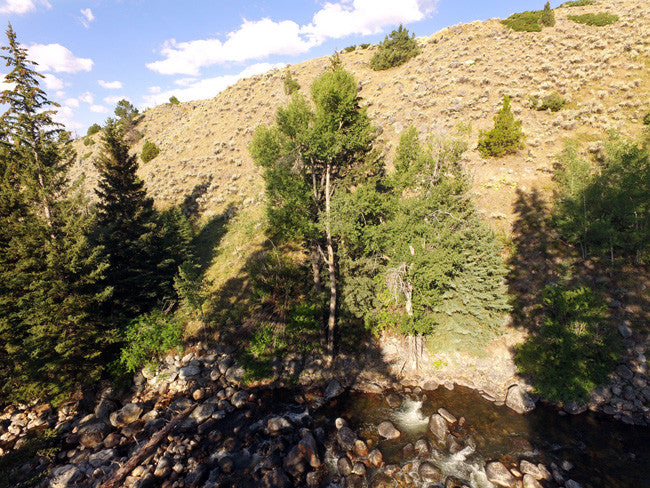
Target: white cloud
x,y
71,102
87,17
65,115
208,87
87,97
98,109
110,85
253,40
112,100
57,58
21,6
155,89
262,38
364,17
6,86
52,82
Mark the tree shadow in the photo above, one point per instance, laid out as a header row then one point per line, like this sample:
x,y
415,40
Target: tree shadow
x,y
190,206
207,240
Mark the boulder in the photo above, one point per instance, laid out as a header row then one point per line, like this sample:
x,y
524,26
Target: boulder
x,y
387,430
92,433
309,449
65,476
438,427
518,400
332,390
429,473
422,448
498,474
127,414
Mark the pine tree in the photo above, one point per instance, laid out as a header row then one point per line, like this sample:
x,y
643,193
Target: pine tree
x,y
50,274
506,137
127,227
548,16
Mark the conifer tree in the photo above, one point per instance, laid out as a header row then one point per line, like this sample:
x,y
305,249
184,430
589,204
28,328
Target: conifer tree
x,y
548,16
50,274
506,137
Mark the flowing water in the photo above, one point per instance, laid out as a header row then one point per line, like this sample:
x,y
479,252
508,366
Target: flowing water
x,y
599,451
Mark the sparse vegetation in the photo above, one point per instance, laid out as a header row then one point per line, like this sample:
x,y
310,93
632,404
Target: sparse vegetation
x,y
528,21
506,137
349,49
173,100
578,3
553,102
365,45
396,49
291,86
646,119
599,20
149,151
88,141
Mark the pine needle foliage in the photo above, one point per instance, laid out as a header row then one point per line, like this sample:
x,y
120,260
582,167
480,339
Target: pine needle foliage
x,y
505,138
396,49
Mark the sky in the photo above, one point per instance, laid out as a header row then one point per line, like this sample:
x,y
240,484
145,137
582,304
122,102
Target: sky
x,y
95,52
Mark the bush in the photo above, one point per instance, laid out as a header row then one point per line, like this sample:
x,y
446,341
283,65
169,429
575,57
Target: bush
x,y
554,102
149,337
349,49
548,16
364,46
505,138
173,100
291,86
528,21
88,141
646,119
574,350
396,49
578,3
599,20
149,151
93,129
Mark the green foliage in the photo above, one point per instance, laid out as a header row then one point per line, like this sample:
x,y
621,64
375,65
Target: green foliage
x,y
291,86
191,288
173,100
149,151
148,338
553,102
599,20
88,141
349,49
42,447
646,119
574,350
93,129
505,138
127,118
365,45
578,3
606,212
528,21
547,18
396,49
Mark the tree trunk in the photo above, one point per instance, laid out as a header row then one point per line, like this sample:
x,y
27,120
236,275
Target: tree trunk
x,y
315,266
331,322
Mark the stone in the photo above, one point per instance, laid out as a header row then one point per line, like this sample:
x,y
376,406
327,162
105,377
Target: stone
x,y
498,474
112,440
344,466
376,458
277,424
447,416
530,482
196,477
203,412
387,430
346,438
309,449
353,481
359,468
422,448
453,482
518,400
162,467
408,451
65,476
187,372
624,330
339,422
572,484
575,408
438,427
92,434
360,448
239,399
102,457
429,473
127,414
104,408
275,478
332,390
531,469
393,400
235,374
382,480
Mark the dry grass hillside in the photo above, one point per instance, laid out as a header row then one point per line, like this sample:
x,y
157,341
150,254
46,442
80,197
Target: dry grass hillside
x,y
460,76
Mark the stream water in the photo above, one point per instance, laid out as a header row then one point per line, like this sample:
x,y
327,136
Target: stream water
x,y
598,451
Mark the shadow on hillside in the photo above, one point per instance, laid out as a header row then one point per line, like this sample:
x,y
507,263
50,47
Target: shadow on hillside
x,y
570,307
190,205
208,238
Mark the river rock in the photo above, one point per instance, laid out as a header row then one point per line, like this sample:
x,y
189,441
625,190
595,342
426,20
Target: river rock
x,y
376,458
102,457
444,413
498,474
572,484
332,390
275,478
360,448
393,400
518,400
387,430
530,482
346,438
92,434
535,471
408,451
65,476
127,414
429,473
239,399
235,374
277,424
309,449
453,482
422,448
344,466
359,468
353,481
188,372
382,480
438,427
202,412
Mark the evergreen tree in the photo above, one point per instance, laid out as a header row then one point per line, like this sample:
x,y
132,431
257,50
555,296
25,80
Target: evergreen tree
x,y
506,137
396,49
50,274
547,17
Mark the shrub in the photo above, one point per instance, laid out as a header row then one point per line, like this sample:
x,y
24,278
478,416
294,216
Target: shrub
x,y
548,16
173,100
578,3
364,46
646,119
93,129
88,141
599,20
396,49
528,21
554,102
506,137
349,49
149,151
574,350
291,86
149,337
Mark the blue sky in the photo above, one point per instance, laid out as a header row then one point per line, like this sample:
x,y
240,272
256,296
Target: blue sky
x,y
95,52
